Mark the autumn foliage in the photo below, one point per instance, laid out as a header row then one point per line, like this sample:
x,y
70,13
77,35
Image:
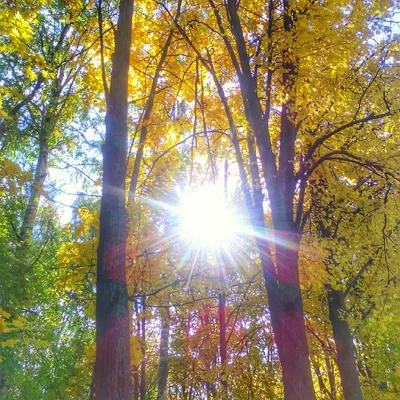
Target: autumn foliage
x,y
199,199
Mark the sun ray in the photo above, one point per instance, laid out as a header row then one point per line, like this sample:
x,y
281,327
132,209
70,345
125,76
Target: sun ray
x,y
165,239
192,268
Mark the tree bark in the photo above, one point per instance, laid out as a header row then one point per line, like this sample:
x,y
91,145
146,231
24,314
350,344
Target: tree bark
x,y
288,321
344,346
285,301
136,380
284,296
321,383
331,377
48,124
222,344
143,349
112,375
163,365
37,188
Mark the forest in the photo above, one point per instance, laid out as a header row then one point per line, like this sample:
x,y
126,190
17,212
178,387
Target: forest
x,y
199,199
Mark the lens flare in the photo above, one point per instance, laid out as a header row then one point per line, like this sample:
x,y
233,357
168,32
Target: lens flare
x,y
206,219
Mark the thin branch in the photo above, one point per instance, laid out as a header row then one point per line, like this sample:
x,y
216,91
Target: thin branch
x,y
103,70
354,281
328,135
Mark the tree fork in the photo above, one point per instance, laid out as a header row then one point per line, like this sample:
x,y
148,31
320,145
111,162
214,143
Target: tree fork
x,y
286,307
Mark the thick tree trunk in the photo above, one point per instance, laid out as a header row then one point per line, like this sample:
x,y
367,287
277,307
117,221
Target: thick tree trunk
x,y
285,299
164,356
288,323
289,326
112,375
344,346
283,286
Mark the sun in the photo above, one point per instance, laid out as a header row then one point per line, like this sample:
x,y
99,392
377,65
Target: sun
x,y
206,219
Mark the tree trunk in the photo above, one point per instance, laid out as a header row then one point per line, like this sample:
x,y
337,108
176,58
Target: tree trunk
x,y
321,383
344,346
285,300
222,344
331,377
136,380
146,118
164,356
143,348
288,325
37,188
48,124
112,375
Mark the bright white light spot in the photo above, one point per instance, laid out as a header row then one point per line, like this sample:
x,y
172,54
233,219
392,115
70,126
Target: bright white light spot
x,y
206,219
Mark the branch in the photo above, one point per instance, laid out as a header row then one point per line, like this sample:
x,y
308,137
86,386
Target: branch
x,y
24,102
147,113
354,281
325,137
225,38
103,71
351,158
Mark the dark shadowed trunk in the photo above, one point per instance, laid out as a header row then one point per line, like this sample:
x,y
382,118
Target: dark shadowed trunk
x,y
285,299
282,279
344,346
112,375
345,351
163,364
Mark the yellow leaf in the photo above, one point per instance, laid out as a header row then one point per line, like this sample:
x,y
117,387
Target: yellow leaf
x,y
17,323
90,353
3,326
11,168
45,74
5,314
91,310
41,343
9,343
26,175
30,74
136,353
